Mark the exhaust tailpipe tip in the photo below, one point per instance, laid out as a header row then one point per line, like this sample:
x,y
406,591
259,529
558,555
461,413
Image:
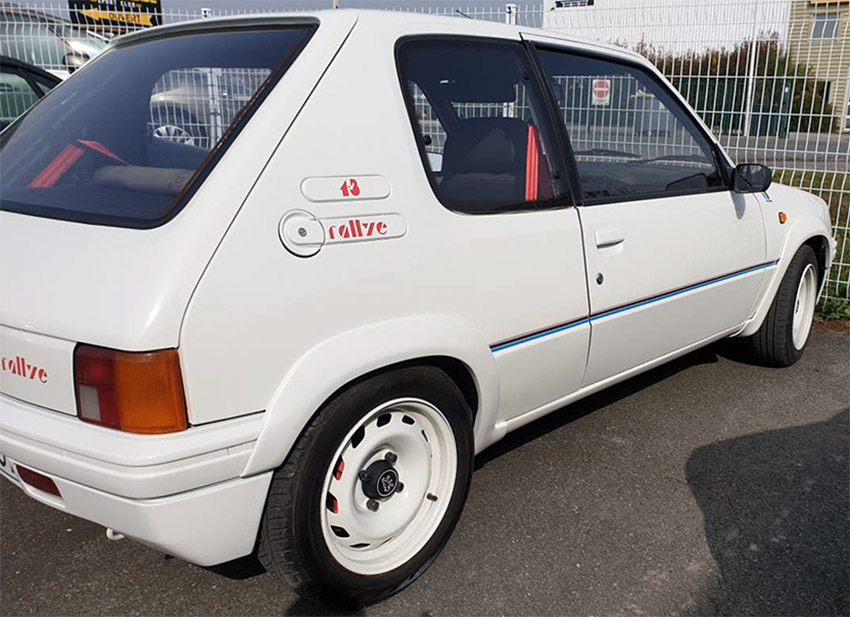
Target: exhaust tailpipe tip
x,y
113,535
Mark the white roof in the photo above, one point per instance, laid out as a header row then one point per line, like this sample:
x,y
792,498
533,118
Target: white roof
x,y
374,19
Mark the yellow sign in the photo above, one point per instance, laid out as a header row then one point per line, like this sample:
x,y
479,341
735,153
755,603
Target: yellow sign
x,y
136,19
117,16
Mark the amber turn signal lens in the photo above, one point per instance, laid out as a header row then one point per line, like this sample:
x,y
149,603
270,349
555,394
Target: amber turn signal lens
x,y
133,392
782,218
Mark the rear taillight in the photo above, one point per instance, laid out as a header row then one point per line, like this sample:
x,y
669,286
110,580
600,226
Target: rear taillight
x,y
133,392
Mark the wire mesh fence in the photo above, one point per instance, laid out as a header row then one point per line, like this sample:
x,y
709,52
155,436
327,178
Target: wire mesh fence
x,y
771,78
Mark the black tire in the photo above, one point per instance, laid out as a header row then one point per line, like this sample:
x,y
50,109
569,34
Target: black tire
x,y
291,543
773,343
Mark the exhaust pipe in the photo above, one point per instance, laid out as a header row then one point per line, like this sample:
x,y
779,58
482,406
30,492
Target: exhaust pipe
x,y
113,535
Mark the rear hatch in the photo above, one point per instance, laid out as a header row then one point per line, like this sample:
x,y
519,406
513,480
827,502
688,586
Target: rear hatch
x,y
102,240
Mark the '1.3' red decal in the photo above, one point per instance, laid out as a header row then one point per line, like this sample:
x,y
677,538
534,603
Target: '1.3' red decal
x,y
350,188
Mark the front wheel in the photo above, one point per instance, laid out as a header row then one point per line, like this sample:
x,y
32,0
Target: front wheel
x,y
783,335
372,489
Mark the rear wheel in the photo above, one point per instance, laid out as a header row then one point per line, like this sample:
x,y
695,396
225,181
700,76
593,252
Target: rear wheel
x,y
372,490
783,335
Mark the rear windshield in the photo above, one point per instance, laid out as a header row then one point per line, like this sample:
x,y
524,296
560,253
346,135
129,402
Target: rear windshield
x,y
127,140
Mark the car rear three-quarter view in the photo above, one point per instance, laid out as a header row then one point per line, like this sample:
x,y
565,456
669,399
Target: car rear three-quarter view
x,y
270,283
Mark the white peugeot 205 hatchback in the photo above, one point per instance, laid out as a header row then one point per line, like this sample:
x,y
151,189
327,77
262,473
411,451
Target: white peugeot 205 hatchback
x,y
413,235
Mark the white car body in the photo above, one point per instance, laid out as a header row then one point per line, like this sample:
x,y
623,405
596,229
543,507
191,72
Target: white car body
x,y
507,303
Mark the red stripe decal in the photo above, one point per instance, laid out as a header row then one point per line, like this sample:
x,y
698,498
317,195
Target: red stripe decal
x,y
99,147
56,168
531,166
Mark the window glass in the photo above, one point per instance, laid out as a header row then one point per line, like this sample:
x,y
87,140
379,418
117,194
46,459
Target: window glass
x,y
16,96
433,133
121,141
629,137
825,26
478,120
194,106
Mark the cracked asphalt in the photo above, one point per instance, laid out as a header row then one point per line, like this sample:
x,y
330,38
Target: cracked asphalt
x,y
705,487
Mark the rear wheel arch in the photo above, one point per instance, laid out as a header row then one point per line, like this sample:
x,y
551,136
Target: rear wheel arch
x,y
456,370
446,343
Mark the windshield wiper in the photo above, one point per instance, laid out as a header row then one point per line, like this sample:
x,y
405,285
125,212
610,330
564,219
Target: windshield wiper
x,y
685,158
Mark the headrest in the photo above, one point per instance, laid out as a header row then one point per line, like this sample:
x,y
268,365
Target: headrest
x,y
486,145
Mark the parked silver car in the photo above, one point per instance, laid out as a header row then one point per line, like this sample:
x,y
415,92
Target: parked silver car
x,y
43,40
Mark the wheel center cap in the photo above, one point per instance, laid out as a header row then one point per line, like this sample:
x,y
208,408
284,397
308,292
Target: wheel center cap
x,y
387,483
379,480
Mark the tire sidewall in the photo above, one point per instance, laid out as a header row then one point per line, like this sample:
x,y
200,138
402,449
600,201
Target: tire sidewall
x,y
804,257
343,412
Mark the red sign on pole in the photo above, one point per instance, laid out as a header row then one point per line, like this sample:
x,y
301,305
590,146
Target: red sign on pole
x,y
601,92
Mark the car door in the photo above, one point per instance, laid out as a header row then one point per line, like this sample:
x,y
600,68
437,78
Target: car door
x,y
487,141
673,256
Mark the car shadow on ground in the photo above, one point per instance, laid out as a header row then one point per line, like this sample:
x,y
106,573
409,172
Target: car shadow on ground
x,y
777,520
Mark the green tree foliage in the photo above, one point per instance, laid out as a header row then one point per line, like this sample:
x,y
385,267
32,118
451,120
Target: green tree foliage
x,y
786,95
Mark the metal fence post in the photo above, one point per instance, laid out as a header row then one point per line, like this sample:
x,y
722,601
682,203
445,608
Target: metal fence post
x,y
751,75
511,14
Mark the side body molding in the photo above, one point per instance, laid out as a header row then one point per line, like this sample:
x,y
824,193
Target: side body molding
x,y
333,363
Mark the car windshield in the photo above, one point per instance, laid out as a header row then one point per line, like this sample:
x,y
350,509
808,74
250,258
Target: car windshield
x,y
127,140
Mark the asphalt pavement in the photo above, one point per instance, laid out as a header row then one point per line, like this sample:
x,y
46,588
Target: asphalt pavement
x,y
705,487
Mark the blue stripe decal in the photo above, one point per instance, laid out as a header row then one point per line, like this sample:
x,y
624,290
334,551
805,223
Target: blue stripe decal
x,y
629,307
534,337
680,291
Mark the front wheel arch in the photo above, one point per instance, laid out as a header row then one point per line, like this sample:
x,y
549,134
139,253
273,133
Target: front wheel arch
x,y
808,232
820,245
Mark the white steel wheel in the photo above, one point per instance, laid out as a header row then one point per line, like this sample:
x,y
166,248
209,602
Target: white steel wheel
x,y
804,306
371,491
389,485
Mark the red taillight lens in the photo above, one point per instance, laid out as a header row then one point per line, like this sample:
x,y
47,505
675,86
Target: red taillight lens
x,y
37,480
133,392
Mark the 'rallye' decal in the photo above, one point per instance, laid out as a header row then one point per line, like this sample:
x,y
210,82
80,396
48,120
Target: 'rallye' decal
x,y
363,228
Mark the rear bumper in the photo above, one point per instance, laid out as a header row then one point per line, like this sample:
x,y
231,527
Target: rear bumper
x,y
182,493
207,526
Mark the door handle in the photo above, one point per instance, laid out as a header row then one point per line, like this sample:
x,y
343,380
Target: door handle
x,y
609,237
